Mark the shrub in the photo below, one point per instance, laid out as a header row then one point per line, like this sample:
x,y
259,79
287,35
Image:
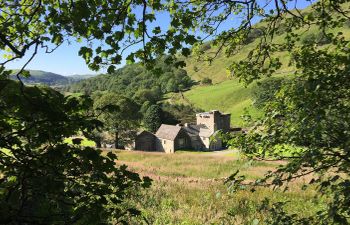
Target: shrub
x,y
309,39
322,39
253,34
347,23
319,38
207,81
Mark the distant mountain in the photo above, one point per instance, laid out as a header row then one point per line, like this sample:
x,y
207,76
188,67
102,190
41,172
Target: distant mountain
x,y
51,79
79,77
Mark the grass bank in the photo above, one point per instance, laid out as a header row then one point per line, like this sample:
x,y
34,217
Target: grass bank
x,y
229,96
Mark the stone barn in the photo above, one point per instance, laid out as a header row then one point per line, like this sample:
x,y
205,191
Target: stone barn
x,y
171,138
145,141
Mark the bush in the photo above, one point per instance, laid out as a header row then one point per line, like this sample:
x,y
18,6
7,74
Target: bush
x,y
282,28
207,81
319,38
322,39
308,39
347,23
253,34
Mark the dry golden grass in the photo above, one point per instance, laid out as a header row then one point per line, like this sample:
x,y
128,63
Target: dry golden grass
x,y
188,188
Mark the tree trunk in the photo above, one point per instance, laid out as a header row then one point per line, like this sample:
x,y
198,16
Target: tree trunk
x,y
116,139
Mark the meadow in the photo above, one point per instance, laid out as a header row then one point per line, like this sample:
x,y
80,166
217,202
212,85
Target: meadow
x,y
188,188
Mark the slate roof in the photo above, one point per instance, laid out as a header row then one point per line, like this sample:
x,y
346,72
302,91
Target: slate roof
x,y
194,129
142,132
205,132
198,130
168,132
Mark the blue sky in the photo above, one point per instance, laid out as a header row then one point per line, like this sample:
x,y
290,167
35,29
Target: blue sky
x,y
65,59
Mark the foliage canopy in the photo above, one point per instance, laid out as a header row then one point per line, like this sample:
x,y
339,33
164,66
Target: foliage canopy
x,y
153,118
120,116
43,179
310,113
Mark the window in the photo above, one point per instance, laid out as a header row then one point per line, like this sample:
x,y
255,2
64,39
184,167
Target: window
x,y
181,141
164,141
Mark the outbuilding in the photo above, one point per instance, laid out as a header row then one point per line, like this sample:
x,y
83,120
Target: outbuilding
x,y
171,138
145,141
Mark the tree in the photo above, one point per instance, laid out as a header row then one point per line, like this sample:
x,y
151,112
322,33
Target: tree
x,y
47,25
171,86
179,113
46,181
146,95
43,180
266,90
137,82
96,135
144,107
120,116
153,118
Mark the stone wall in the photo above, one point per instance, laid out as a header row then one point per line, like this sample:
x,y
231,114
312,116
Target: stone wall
x,y
214,120
206,119
163,145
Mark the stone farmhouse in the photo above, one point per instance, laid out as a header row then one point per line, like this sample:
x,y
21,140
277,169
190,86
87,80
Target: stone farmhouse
x,y
200,136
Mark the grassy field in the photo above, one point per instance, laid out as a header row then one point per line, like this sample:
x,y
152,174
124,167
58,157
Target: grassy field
x,y
229,96
188,188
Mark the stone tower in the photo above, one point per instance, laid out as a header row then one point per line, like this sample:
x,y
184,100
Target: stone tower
x,y
214,120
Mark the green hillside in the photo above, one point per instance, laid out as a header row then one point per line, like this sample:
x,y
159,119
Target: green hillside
x,y
79,77
217,70
227,94
43,77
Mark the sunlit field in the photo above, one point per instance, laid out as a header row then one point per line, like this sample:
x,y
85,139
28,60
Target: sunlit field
x,y
188,188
